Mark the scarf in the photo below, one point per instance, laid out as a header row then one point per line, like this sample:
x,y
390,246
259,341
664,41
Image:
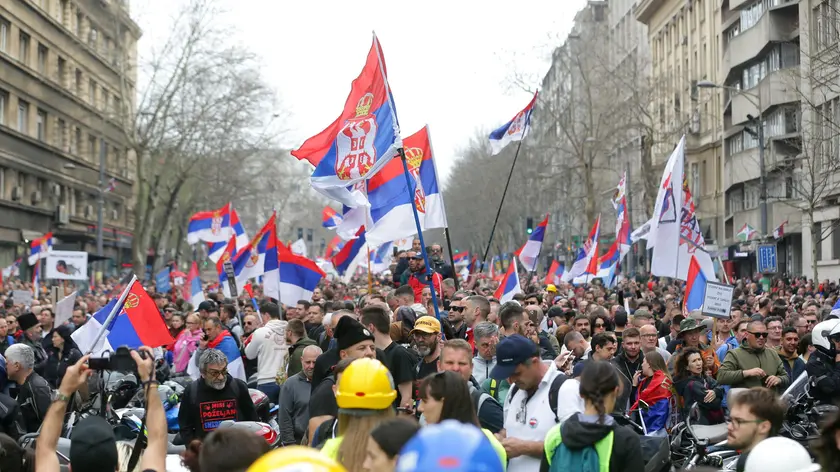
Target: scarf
x,y
215,343
657,388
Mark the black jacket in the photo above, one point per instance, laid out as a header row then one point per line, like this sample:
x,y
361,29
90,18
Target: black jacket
x,y
10,419
57,364
825,375
203,408
442,268
627,449
626,370
40,353
34,398
693,389
402,266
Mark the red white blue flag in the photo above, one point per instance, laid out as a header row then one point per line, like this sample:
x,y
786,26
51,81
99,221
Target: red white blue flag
x,y
39,248
529,254
210,226
330,218
509,285
360,141
514,130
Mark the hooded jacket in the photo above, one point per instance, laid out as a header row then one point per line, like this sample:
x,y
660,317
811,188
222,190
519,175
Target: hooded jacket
x,y
580,431
268,346
295,355
731,372
482,367
794,365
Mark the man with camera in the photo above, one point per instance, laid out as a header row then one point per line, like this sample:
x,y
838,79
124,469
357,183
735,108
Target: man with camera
x,y
213,398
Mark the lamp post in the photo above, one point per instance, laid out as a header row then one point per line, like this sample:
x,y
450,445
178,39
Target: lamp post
x,y
762,180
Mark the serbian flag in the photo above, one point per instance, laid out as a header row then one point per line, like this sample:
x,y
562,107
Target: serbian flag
x,y
39,248
210,226
622,218
348,254
330,218
227,255
555,271
509,285
529,254
587,259
779,232
360,141
215,250
391,196
461,258
695,287
335,245
195,294
138,323
299,276
260,259
36,279
514,130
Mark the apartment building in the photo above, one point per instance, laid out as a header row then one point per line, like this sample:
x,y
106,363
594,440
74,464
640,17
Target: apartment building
x,y
67,73
760,69
685,43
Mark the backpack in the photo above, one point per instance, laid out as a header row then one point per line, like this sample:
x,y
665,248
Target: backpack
x,y
494,389
580,460
324,432
553,393
478,399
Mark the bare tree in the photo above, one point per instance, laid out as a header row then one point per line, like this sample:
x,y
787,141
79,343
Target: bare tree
x,y
201,101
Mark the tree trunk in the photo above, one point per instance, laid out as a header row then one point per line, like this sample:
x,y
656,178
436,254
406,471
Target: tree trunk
x,y
816,238
590,209
649,177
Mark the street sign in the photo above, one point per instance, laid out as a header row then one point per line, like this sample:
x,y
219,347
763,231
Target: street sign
x,y
717,300
766,258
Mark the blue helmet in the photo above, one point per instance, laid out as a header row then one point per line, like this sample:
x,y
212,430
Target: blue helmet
x,y
450,446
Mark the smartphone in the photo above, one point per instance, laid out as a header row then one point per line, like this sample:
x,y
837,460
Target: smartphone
x,y
405,411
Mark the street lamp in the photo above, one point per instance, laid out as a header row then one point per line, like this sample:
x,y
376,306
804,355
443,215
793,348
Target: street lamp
x,y
762,181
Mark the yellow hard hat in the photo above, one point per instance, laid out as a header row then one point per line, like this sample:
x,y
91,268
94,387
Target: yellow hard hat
x,y
366,384
291,458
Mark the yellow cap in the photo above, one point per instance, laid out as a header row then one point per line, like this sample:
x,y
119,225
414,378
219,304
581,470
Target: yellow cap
x,y
366,384
291,458
426,324
551,288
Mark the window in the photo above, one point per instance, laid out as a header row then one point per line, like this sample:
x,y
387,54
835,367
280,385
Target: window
x,y
4,99
695,179
92,92
93,37
41,126
23,48
43,55
79,19
106,100
23,116
78,82
74,143
92,147
62,70
62,134
62,9
4,34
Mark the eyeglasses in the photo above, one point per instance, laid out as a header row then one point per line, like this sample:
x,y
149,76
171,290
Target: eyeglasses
x,y
522,413
654,335
456,308
811,321
759,335
738,422
216,373
599,325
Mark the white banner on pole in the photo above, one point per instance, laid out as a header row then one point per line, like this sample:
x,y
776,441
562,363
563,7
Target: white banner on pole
x,y
67,265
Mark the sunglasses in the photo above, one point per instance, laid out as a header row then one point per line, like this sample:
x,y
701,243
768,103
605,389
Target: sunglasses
x,y
759,335
456,308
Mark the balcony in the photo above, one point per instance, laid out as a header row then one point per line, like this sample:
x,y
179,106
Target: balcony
x,y
646,9
771,27
740,167
776,88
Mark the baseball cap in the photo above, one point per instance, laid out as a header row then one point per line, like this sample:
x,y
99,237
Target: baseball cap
x,y
551,288
206,305
426,324
93,446
510,352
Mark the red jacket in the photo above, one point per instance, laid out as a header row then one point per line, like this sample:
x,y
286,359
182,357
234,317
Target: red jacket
x,y
415,283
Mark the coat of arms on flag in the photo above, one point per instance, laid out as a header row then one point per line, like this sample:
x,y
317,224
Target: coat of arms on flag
x,y
414,157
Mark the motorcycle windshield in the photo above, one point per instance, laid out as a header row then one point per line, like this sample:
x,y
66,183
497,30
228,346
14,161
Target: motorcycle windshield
x,y
797,389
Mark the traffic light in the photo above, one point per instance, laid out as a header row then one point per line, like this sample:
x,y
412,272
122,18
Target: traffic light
x,y
529,225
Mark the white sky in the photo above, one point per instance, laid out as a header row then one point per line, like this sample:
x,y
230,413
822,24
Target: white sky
x,y
450,64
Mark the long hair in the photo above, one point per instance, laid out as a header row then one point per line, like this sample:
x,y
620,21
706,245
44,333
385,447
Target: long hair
x,y
598,380
681,364
452,389
656,362
355,431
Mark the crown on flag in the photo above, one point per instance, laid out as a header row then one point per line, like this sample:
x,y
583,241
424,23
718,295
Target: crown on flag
x,y
364,105
414,156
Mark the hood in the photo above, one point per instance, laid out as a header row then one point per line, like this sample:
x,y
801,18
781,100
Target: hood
x,y
231,323
785,356
483,361
276,327
304,341
578,434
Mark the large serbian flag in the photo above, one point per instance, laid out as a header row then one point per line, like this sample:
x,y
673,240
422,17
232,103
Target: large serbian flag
x,y
360,141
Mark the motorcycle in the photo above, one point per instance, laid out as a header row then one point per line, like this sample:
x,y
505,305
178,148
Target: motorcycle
x,y
655,449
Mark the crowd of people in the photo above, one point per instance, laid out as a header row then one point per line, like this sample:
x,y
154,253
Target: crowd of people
x,y
375,377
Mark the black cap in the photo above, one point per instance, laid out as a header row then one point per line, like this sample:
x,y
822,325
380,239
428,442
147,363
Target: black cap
x,y
93,447
206,305
27,320
349,332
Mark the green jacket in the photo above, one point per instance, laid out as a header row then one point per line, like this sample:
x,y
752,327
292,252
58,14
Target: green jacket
x,y
738,360
295,353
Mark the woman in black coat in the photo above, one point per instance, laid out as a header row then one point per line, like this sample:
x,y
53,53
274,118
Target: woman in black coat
x,y
62,354
693,386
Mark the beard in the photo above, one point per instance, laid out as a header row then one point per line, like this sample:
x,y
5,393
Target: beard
x,y
216,384
422,349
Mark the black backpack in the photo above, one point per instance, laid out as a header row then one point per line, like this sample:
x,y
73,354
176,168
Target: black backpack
x,y
553,393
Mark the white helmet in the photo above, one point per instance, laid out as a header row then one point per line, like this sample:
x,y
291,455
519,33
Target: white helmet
x,y
821,333
778,454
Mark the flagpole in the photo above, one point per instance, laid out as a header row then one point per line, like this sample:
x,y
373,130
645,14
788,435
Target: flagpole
x,y
370,274
501,203
428,274
113,313
451,258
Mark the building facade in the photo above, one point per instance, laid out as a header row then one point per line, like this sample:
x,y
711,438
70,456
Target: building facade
x,y
68,73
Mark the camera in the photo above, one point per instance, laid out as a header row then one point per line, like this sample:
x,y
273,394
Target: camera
x,y
119,361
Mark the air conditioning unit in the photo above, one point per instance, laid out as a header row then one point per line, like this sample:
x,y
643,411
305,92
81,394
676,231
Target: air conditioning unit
x,y
62,216
56,190
89,213
17,194
36,197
